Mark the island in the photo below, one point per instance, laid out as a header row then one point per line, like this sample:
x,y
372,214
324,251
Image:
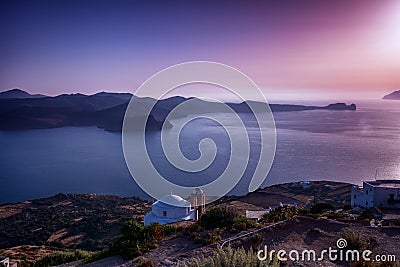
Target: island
x,y
393,96
20,110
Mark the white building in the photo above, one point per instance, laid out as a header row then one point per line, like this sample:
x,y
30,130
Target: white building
x,y
304,185
5,261
256,215
169,209
379,193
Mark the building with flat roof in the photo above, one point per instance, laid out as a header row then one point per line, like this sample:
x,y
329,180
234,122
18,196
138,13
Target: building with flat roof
x,y
379,193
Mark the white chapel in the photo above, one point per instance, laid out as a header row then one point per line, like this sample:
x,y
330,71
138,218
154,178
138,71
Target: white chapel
x,y
176,210
173,208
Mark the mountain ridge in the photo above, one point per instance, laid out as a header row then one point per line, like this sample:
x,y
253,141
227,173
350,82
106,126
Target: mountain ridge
x,y
107,110
18,94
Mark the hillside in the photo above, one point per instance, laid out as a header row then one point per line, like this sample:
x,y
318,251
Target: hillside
x,y
68,221
300,233
32,229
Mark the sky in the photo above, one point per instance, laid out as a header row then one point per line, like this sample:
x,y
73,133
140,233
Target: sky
x,y
305,49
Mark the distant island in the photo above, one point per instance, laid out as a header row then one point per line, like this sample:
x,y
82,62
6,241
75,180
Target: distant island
x,y
393,96
20,110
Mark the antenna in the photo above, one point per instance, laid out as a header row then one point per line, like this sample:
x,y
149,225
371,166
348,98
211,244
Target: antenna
x,y
376,173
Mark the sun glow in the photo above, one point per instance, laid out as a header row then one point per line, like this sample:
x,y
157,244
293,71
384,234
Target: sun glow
x,y
390,39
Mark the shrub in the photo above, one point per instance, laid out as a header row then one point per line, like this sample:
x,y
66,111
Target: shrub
x,y
366,214
396,222
347,207
218,217
321,207
279,214
242,224
61,257
194,232
98,255
171,229
308,213
143,262
354,240
137,238
154,232
212,236
194,228
256,240
230,257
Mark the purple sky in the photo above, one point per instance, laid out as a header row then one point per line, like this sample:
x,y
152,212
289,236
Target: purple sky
x,y
292,49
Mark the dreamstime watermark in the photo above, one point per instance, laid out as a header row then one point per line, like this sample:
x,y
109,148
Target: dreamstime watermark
x,y
140,113
339,253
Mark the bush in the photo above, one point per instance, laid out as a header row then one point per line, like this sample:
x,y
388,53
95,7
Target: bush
x,y
396,222
321,207
137,238
354,240
61,257
347,207
279,214
171,229
194,232
366,214
242,224
257,240
154,232
212,236
98,255
218,217
230,257
143,262
308,213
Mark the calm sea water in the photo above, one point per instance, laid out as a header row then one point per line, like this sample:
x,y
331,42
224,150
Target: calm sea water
x,y
311,145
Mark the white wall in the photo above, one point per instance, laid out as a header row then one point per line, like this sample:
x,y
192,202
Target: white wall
x,y
370,196
6,262
358,197
382,195
175,212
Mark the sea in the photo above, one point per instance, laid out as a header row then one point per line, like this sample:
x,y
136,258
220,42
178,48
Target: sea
x,y
344,146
